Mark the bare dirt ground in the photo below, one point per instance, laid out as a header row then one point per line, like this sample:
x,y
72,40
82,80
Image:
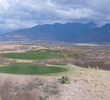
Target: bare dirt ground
x,y
86,44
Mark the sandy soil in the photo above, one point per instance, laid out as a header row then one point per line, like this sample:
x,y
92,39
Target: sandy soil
x,y
94,85
19,48
86,44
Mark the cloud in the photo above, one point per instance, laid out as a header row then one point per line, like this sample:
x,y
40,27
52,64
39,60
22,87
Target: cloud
x,y
16,14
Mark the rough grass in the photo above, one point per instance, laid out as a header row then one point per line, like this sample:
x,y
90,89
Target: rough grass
x,y
31,69
35,55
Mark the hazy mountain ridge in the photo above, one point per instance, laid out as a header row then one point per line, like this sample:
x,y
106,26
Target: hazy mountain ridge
x,y
69,32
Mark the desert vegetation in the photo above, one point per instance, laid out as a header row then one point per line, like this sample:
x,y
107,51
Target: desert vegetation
x,y
54,72
36,89
98,59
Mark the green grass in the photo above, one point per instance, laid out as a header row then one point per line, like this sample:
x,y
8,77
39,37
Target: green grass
x,y
31,69
35,55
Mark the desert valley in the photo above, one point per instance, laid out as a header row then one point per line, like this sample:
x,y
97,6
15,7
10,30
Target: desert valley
x,y
44,71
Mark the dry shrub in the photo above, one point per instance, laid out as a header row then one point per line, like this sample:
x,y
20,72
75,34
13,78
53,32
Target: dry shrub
x,y
74,54
4,60
36,89
48,61
93,64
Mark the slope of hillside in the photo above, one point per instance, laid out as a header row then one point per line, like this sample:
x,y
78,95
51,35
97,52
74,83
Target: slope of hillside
x,y
69,32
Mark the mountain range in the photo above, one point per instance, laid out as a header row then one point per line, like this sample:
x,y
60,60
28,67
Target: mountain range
x,y
68,32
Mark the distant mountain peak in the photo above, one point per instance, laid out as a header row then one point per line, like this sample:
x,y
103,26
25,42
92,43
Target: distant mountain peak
x,y
92,24
107,25
68,32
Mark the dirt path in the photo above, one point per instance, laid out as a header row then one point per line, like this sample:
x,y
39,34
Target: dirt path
x,y
20,60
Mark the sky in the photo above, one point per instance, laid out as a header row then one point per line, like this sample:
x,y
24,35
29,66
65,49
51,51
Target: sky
x,y
19,14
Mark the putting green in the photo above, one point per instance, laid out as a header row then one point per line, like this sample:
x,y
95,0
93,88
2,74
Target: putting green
x,y
31,69
34,55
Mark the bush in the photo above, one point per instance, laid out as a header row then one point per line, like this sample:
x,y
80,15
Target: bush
x,y
65,80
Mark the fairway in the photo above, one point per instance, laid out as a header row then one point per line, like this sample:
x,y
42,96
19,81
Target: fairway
x,y
35,55
30,69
